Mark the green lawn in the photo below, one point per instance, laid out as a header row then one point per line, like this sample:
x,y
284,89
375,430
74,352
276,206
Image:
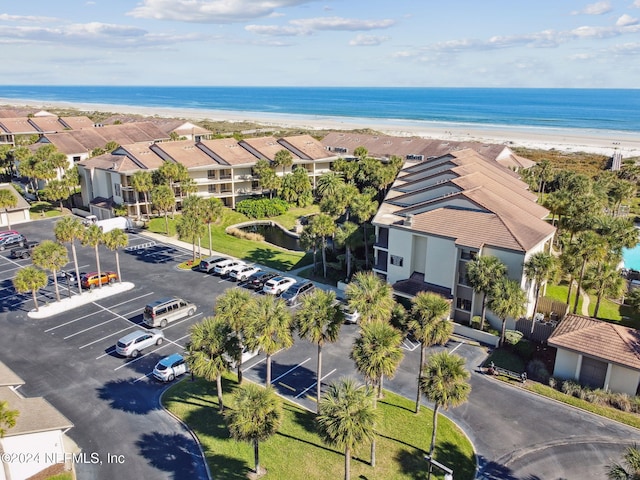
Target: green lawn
x,y
296,451
259,252
609,311
46,209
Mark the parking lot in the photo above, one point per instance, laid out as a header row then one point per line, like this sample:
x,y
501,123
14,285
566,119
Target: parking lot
x,y
69,359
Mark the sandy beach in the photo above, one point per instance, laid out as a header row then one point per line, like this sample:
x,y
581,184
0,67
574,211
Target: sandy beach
x,y
569,140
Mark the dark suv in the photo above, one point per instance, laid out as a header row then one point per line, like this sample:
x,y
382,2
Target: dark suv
x,y
295,292
24,251
257,280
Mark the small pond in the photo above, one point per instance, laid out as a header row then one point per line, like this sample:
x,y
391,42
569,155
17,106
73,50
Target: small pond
x,y
275,235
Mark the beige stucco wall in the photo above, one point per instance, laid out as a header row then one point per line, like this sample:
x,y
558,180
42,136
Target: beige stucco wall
x,y
401,244
623,380
442,257
566,364
46,447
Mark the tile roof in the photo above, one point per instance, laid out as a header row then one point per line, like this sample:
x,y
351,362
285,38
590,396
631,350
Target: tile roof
x,y
8,377
76,123
36,414
18,126
125,159
595,338
463,196
304,146
386,146
47,124
264,147
228,151
185,152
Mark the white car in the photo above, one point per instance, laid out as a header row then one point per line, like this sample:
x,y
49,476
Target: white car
x,y
246,356
224,267
242,272
351,315
277,285
131,345
170,367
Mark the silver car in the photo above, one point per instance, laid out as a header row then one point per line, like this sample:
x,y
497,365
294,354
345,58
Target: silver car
x,y
170,367
131,345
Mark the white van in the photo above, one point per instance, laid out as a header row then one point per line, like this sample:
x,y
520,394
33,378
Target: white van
x,y
167,310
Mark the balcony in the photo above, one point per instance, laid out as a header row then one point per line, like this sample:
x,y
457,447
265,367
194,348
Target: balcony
x,y
382,241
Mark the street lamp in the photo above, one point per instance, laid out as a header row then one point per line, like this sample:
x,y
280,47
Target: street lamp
x,y
448,473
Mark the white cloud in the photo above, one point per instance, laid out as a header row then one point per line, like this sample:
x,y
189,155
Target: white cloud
x,y
94,33
211,11
636,3
306,26
626,20
367,40
339,23
627,49
599,8
26,18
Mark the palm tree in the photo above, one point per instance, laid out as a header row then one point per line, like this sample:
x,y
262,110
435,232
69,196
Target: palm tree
x,y
213,209
232,307
589,246
539,268
310,241
507,299
605,279
323,226
68,230
256,415
629,469
347,417
283,158
348,236
50,256
30,279
190,226
7,417
142,182
114,240
7,200
56,191
444,382
205,351
429,323
482,272
269,329
164,199
371,296
92,237
377,352
363,207
329,184
319,319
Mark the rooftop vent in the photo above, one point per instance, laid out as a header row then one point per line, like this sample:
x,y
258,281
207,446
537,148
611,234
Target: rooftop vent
x,y
408,220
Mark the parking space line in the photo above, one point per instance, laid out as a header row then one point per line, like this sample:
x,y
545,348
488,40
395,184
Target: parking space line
x,y
290,370
314,384
409,345
108,351
142,377
104,338
456,347
99,324
93,313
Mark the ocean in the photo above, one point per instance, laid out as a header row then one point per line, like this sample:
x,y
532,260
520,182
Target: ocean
x,y
594,110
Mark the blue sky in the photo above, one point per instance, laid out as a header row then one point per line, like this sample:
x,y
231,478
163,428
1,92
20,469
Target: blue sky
x,y
453,43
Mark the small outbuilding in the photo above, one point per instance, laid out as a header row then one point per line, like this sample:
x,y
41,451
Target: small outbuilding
x,y
17,214
597,354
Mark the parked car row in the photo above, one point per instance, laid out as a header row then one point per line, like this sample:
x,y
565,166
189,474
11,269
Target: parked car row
x,y
11,238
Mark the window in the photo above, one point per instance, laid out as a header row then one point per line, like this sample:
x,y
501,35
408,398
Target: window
x,y
414,157
463,304
396,260
212,189
211,174
117,189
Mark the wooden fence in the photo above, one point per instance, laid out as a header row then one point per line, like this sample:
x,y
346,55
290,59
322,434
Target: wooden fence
x,y
541,331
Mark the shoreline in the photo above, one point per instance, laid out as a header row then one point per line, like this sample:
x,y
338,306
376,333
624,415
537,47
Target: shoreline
x,y
567,140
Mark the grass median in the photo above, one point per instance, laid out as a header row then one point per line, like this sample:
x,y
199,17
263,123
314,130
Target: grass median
x,y
297,453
